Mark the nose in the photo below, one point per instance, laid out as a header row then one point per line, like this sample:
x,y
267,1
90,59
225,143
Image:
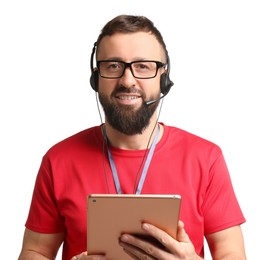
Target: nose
x,y
127,78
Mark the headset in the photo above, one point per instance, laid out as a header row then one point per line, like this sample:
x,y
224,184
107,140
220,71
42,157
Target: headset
x,y
165,82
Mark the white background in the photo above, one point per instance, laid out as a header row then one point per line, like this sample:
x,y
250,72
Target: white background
x,y
219,64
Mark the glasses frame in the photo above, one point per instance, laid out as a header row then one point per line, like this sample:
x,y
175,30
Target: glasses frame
x,y
129,65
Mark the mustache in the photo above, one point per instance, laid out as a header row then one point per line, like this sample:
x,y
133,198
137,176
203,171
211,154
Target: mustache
x,y
122,89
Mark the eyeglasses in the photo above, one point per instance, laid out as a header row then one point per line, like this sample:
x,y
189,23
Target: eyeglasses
x,y
114,69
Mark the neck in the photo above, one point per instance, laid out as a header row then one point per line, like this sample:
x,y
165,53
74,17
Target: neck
x,y
132,142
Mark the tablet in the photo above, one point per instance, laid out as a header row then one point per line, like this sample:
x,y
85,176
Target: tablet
x,y
110,215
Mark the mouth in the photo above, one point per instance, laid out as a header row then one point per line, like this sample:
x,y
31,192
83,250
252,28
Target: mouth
x,y
128,99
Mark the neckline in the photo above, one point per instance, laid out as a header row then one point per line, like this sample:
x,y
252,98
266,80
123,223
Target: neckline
x,y
133,152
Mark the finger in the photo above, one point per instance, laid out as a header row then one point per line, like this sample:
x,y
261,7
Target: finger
x,y
84,255
129,250
133,249
130,254
169,243
182,236
156,246
164,238
77,257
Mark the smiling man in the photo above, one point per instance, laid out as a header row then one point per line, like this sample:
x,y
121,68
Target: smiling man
x,y
131,152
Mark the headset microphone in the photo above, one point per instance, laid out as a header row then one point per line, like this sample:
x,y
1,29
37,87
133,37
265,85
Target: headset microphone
x,y
150,102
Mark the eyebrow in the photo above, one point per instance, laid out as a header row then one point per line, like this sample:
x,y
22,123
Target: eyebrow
x,y
120,59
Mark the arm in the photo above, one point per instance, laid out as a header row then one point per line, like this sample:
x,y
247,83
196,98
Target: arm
x,y
227,244
39,246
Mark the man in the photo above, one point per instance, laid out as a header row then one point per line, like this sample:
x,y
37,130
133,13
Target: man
x,y
130,78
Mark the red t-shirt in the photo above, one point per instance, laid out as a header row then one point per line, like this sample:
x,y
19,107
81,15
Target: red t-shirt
x,y
182,163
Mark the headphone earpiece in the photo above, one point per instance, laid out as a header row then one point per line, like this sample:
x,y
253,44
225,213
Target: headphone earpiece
x,y
94,80
166,83
94,76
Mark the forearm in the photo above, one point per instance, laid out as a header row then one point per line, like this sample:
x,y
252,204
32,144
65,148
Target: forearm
x,y
32,255
39,246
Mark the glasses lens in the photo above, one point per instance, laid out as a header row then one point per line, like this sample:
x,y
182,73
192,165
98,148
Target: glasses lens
x,y
111,69
144,69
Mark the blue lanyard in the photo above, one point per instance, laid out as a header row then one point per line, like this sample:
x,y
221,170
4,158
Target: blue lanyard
x,y
145,169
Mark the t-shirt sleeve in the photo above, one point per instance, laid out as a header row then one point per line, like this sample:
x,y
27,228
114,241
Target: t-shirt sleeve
x,y
221,208
44,216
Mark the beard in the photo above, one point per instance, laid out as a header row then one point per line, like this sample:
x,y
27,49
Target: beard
x,y
127,119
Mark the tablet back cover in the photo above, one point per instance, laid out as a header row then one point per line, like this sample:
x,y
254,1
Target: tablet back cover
x,y
110,215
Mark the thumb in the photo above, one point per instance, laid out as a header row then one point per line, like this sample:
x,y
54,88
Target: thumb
x,y
182,236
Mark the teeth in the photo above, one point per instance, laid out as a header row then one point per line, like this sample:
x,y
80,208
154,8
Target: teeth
x,y
127,97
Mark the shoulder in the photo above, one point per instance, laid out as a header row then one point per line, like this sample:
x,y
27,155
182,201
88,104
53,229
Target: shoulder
x,y
189,146
79,141
187,140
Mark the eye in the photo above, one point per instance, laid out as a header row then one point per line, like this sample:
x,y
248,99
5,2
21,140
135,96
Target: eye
x,y
142,66
113,65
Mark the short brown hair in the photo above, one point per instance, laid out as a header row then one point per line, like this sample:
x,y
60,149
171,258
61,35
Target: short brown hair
x,y
131,24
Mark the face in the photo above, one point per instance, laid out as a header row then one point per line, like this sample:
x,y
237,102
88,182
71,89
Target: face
x,y
123,99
